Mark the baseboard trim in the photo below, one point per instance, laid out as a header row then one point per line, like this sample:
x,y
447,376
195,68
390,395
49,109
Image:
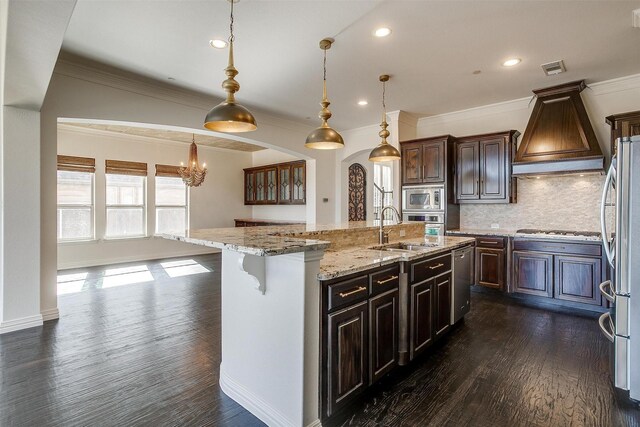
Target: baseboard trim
x,y
19,324
50,314
255,404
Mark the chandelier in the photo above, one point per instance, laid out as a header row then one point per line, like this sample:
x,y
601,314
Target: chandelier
x,y
193,175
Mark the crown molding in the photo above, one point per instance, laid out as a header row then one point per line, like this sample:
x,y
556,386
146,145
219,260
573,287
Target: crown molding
x,y
615,85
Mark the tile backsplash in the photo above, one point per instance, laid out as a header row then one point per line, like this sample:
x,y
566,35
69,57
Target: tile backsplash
x,y
569,202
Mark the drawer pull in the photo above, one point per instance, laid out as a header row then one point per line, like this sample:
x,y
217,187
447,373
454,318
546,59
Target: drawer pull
x,y
382,282
433,267
482,242
354,291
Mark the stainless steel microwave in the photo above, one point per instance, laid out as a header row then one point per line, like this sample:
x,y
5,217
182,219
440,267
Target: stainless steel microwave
x,y
423,198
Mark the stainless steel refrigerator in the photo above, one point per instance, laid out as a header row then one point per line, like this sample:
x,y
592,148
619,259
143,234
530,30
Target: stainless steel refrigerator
x,y
621,325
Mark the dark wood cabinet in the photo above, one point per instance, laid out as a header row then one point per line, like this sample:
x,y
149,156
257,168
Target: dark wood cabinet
x,y
421,315
424,161
490,266
533,273
567,271
577,279
442,287
284,184
348,355
468,171
623,125
483,168
383,334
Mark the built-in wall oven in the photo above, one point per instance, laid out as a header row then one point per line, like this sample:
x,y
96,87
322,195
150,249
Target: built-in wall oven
x,y
423,198
434,221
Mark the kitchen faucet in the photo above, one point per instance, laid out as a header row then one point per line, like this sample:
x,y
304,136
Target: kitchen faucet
x,y
384,236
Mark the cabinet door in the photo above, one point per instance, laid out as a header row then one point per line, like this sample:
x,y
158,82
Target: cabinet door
x,y
284,184
249,188
442,289
383,334
467,171
260,184
347,355
493,181
490,267
433,162
298,187
533,273
577,279
412,164
421,317
271,185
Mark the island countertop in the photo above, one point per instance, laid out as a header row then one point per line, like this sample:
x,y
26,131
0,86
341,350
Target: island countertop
x,y
354,260
271,240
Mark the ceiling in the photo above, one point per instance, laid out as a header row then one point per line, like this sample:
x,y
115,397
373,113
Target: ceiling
x,y
171,135
431,55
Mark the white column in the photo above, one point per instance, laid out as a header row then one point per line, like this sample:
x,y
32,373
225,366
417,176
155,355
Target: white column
x,y
20,220
270,341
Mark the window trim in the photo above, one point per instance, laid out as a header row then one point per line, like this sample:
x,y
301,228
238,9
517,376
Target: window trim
x,y
108,206
92,236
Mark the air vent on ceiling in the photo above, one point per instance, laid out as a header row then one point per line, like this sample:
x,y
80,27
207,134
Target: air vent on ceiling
x,y
553,68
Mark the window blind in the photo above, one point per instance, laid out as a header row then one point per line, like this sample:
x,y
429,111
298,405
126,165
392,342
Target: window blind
x,y
125,168
76,164
167,170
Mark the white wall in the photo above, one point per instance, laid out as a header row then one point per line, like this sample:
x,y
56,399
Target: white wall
x,y
223,182
280,212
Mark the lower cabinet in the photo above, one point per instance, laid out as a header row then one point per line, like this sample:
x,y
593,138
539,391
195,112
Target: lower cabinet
x,y
442,286
347,349
533,273
421,315
577,279
491,262
383,334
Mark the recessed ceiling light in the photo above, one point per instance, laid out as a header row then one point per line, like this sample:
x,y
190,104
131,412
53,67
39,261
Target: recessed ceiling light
x,y
537,177
511,62
383,32
217,43
363,102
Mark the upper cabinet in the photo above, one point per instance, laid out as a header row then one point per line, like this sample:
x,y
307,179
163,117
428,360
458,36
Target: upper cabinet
x,y
483,168
284,184
623,126
424,160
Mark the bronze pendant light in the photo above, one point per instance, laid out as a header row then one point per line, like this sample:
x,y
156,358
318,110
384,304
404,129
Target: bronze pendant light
x,y
384,152
324,137
228,116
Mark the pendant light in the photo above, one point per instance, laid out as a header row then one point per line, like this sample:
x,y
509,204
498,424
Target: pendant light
x,y
384,152
228,116
193,175
324,137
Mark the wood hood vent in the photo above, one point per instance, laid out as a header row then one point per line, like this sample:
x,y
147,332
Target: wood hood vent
x,y
559,138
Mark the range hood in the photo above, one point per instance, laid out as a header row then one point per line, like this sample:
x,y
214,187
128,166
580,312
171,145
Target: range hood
x,y
559,138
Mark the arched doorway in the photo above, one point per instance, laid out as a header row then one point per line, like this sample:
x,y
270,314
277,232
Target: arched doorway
x,y
357,193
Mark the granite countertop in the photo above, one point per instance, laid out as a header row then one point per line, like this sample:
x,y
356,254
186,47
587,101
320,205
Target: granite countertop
x,y
499,232
269,240
354,260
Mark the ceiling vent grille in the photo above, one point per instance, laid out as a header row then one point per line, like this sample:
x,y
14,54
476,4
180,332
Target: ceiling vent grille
x,y
553,68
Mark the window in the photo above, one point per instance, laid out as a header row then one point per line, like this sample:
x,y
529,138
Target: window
x,y
126,210
171,205
382,180
75,198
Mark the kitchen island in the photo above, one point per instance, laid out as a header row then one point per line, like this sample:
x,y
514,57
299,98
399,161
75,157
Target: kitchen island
x,y
272,315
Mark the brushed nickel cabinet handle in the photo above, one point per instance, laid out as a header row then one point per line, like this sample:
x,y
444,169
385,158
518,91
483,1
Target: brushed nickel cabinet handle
x,y
436,266
382,282
488,243
355,291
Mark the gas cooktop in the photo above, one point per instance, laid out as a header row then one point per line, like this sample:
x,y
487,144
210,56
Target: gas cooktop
x,y
559,232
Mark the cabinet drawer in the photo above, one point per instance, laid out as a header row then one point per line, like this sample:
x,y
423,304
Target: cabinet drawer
x,y
431,267
384,280
558,247
350,291
490,242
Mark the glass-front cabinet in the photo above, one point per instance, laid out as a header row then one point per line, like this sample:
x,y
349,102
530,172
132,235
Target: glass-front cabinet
x,y
283,184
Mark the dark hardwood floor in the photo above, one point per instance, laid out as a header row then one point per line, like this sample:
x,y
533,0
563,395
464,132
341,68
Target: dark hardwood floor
x,y
149,354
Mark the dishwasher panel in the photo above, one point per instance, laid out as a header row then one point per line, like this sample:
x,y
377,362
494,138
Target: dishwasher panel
x,y
463,267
